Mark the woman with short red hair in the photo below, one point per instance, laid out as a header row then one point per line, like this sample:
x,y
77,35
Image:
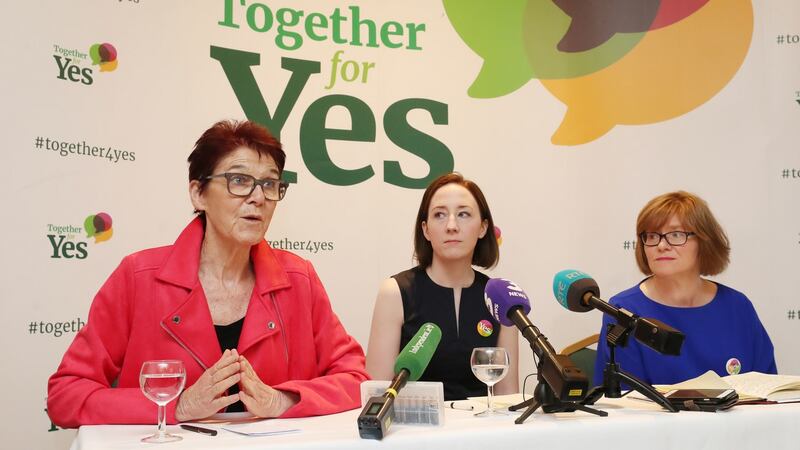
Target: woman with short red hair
x,y
680,242
252,325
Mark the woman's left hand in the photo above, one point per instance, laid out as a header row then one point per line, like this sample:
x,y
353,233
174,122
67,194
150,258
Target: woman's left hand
x,y
260,399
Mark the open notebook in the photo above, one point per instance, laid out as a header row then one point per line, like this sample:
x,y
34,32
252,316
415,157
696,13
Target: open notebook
x,y
751,386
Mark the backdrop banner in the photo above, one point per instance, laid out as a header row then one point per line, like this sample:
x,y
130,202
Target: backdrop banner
x,y
569,115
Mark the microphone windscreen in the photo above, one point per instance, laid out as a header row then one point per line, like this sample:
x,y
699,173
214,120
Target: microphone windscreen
x,y
569,287
501,295
416,355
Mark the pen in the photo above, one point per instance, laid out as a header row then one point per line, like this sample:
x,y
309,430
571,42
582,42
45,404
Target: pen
x,y
200,430
453,405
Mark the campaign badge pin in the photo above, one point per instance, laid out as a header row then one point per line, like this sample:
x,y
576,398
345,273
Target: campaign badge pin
x,y
485,328
733,366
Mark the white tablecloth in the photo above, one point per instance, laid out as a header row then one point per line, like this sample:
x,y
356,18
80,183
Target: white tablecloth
x,y
631,424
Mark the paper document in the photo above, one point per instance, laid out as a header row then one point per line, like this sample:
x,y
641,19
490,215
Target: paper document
x,y
498,401
750,386
708,380
269,427
779,388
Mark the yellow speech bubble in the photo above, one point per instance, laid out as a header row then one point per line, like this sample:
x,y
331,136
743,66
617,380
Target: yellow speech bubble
x,y
670,72
103,235
108,66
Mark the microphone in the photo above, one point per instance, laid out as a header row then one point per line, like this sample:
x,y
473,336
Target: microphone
x,y
509,305
378,412
577,291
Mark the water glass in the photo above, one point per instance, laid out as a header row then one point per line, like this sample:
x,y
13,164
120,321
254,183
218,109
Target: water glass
x,y
490,365
162,381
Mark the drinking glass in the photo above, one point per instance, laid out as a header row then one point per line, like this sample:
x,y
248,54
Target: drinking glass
x,y
162,381
490,365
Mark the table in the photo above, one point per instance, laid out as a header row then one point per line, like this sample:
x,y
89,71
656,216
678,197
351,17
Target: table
x,y
631,424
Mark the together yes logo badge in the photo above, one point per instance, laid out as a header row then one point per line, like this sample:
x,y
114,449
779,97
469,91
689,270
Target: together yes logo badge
x,y
67,241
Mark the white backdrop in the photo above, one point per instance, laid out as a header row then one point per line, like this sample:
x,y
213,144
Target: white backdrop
x,y
559,206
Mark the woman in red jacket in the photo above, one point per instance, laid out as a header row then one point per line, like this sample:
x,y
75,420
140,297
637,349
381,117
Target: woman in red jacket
x,y
253,325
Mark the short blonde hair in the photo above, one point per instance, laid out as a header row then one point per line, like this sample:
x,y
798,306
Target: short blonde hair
x,y
714,248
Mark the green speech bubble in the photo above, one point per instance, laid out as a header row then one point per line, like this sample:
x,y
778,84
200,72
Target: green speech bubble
x,y
94,54
495,34
88,225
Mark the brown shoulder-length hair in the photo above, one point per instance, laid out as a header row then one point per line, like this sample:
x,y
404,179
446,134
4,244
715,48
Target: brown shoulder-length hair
x,y
223,138
487,253
714,248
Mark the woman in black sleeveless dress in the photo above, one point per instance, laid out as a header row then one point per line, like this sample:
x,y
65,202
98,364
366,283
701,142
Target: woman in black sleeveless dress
x,y
454,231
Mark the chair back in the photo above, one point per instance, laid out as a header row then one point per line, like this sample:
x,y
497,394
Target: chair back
x,y
582,356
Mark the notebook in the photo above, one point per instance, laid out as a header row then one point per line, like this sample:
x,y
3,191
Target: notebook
x,y
751,386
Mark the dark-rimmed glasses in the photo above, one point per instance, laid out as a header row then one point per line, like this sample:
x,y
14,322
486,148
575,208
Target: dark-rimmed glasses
x,y
242,185
676,238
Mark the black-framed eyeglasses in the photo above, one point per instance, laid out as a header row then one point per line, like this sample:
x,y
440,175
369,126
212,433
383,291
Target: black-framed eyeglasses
x,y
242,185
652,239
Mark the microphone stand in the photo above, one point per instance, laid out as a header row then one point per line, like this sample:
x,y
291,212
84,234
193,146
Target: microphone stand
x,y
544,397
617,335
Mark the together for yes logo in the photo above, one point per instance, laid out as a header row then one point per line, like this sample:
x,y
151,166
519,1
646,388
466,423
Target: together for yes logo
x,y
72,64
611,62
67,241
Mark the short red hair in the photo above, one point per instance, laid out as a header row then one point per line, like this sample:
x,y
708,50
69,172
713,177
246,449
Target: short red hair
x,y
714,249
223,138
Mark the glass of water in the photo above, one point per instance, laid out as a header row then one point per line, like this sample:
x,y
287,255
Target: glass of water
x,y
490,365
162,381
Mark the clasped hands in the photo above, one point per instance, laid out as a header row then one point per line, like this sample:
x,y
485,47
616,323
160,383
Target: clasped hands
x,y
207,395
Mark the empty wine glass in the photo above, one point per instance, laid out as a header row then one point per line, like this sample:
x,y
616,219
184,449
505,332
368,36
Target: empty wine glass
x,y
162,381
489,364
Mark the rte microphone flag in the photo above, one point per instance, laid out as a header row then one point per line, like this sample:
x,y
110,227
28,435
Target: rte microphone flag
x,y
577,291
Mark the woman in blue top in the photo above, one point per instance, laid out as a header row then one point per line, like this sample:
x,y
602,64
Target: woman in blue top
x,y
680,242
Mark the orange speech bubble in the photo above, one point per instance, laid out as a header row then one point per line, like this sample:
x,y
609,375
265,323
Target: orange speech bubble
x,y
670,72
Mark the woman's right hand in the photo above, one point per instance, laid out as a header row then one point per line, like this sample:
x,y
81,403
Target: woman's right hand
x,y
206,396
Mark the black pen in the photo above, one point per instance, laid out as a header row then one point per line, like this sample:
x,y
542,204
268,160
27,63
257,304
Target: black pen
x,y
200,430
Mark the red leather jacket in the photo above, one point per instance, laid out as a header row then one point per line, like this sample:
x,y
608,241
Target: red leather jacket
x,y
153,307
